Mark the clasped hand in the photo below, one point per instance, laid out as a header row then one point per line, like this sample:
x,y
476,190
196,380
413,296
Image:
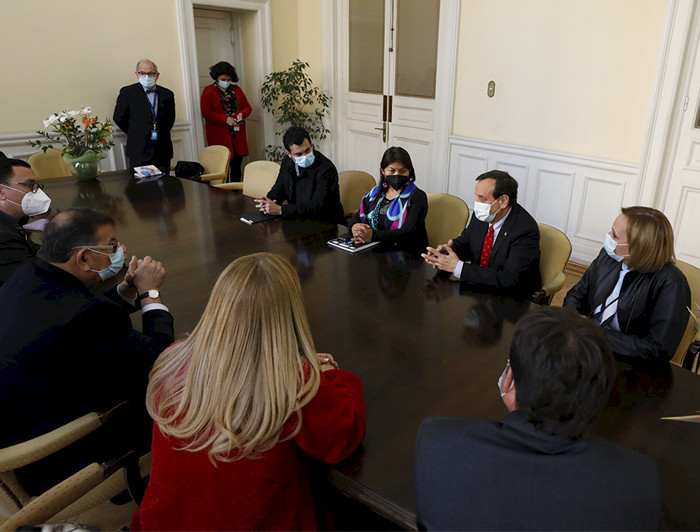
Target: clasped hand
x,y
442,258
361,233
141,275
268,206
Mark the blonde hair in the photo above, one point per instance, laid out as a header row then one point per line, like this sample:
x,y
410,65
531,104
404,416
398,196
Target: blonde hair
x,y
248,366
650,239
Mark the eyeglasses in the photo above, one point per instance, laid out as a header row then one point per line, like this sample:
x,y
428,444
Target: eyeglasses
x,y
149,74
33,186
114,246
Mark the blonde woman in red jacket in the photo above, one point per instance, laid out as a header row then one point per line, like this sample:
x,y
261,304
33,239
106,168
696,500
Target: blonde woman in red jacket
x,y
225,108
236,402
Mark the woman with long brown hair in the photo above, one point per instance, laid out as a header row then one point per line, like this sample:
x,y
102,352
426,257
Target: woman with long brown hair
x,y
235,402
634,290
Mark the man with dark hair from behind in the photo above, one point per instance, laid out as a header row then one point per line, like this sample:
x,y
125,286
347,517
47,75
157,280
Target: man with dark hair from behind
x,y
307,181
67,351
533,470
21,196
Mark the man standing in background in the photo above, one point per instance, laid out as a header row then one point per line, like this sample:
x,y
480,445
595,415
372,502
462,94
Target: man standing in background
x,y
146,113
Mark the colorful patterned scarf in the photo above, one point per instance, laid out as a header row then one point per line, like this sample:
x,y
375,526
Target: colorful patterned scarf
x,y
398,209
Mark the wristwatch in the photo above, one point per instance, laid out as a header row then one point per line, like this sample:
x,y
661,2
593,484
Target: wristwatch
x,y
152,293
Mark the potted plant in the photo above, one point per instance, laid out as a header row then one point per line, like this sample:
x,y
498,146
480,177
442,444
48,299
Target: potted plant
x,y
294,100
83,146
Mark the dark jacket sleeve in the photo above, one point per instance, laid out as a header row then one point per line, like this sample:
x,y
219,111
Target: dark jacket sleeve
x,y
121,110
166,120
15,252
523,249
461,245
667,322
579,295
277,192
413,228
333,422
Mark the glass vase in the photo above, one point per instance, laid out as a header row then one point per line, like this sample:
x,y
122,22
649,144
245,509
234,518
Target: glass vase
x,y
85,170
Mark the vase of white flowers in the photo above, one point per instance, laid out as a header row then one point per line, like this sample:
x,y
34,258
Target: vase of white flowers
x,y
83,146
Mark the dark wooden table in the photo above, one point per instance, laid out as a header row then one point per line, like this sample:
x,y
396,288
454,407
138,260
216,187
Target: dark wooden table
x,y
421,347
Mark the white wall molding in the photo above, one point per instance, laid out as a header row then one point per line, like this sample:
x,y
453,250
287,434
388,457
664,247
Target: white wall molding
x,y
658,145
16,145
577,194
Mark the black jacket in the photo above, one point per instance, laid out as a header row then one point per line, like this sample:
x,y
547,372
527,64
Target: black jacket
x,y
514,264
15,247
65,351
507,475
134,117
651,310
313,194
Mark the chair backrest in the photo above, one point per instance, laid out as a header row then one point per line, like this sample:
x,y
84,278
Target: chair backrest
x,y
354,184
215,160
692,274
49,165
555,250
447,217
258,178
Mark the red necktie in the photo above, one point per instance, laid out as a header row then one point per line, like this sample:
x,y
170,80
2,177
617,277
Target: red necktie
x,y
486,250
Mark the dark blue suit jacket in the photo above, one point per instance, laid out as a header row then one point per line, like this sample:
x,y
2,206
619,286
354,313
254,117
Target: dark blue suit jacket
x,y
514,263
506,475
65,351
134,117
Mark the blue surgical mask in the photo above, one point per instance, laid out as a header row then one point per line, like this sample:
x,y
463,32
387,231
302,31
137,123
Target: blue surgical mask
x,y
305,160
224,84
146,82
610,245
116,263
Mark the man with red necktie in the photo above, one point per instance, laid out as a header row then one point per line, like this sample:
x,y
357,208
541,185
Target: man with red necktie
x,y
500,248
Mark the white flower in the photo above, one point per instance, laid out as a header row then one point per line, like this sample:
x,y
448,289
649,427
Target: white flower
x,y
86,111
50,120
72,114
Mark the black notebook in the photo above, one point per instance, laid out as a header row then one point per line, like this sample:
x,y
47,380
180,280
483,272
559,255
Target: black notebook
x,y
255,217
346,243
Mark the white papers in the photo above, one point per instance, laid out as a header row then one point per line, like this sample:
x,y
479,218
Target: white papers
x,y
146,171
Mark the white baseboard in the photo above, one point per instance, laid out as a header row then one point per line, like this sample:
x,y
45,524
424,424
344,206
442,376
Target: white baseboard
x,y
579,195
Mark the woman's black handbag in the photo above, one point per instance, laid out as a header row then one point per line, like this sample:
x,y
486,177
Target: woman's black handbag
x,y
189,170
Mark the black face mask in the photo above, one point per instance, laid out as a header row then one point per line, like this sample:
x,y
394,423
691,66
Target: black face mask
x,y
396,181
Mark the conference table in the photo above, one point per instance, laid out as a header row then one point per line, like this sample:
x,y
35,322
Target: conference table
x,y
421,346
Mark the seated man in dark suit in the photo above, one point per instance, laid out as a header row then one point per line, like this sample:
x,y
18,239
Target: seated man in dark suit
x,y
307,181
21,196
532,470
500,248
66,351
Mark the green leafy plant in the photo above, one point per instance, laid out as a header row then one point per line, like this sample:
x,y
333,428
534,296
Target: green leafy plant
x,y
83,144
294,100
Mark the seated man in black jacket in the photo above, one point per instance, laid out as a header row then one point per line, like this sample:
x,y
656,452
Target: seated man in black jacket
x,y
67,351
307,181
533,470
21,196
634,290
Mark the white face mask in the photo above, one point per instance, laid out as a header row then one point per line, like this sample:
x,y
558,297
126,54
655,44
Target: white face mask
x,y
500,381
33,203
610,246
482,211
147,82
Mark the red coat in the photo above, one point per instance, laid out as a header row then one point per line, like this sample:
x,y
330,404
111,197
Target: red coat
x,y
215,119
271,492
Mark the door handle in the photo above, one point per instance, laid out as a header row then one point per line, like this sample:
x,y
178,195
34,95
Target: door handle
x,y
383,130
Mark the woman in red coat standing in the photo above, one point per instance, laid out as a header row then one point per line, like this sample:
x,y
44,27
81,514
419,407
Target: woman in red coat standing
x,y
225,108
237,402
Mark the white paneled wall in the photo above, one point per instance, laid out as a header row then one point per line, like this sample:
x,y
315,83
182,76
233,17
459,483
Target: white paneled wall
x,y
15,145
579,195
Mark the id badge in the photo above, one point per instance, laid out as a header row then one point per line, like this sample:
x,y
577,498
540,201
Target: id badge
x,y
154,134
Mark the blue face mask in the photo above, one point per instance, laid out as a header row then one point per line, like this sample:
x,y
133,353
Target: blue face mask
x,y
146,82
117,262
224,84
305,160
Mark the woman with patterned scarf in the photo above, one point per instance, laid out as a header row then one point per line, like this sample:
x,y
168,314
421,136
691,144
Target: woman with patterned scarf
x,y
394,211
225,108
